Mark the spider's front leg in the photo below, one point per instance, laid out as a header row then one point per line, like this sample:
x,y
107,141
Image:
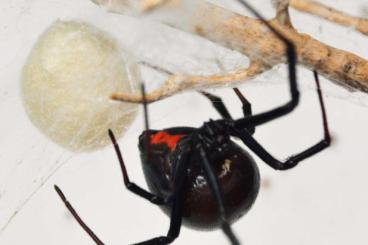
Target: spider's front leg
x,y
280,111
176,204
220,107
132,186
129,185
293,86
77,217
179,177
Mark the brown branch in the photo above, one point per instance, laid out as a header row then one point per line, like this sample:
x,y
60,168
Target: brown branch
x,y
177,83
252,38
347,69
282,12
129,5
328,13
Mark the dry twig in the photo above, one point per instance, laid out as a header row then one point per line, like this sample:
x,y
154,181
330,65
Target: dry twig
x,y
252,38
328,13
282,12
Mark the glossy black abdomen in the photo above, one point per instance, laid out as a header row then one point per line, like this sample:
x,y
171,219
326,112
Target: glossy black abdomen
x,y
235,169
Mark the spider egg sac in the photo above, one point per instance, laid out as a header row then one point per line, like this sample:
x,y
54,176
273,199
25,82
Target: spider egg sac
x,y
66,83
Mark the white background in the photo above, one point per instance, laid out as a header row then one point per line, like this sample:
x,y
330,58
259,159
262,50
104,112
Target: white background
x,y
322,201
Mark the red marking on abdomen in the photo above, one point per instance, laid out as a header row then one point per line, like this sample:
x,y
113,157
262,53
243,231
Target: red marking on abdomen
x,y
166,138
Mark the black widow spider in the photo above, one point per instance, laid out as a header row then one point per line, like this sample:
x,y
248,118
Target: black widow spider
x,y
199,176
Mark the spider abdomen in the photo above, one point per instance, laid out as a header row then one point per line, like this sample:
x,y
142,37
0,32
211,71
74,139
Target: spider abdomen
x,y
235,169
239,180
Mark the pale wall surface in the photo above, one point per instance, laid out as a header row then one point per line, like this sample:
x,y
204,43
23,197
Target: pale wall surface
x,y
323,201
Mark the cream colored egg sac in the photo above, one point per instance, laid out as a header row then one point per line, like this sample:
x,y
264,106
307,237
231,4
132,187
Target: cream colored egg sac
x,y
66,83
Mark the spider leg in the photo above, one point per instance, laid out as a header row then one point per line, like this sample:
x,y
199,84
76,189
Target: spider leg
x,y
217,193
77,217
179,177
132,186
292,60
218,104
177,198
176,211
220,107
293,160
246,105
247,108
